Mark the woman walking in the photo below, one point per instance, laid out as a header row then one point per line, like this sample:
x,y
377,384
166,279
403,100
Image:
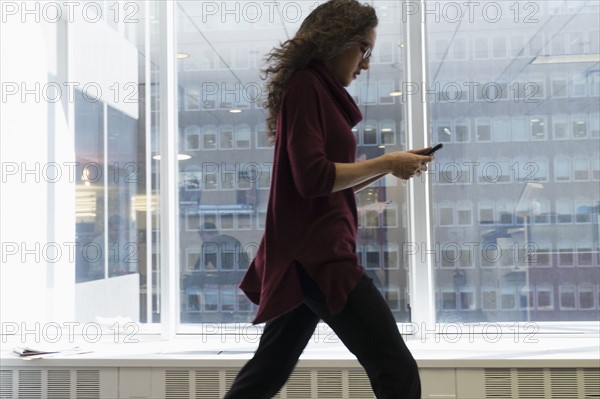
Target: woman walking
x,y
306,268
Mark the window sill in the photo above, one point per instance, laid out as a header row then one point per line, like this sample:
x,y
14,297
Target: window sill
x,y
433,351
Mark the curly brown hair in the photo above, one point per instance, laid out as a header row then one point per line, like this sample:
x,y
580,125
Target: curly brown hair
x,y
326,32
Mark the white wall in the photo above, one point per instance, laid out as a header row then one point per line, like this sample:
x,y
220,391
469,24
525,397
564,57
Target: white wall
x,y
37,192
36,274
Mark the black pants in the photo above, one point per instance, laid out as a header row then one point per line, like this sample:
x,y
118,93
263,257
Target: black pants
x,y
365,325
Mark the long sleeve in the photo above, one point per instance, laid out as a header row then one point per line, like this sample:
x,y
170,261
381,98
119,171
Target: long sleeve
x,y
313,172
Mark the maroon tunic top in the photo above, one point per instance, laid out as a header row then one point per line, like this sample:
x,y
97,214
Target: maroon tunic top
x,y
306,222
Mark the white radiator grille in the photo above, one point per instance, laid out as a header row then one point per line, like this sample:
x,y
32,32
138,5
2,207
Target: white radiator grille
x,y
563,382
50,383
229,377
591,383
177,384
498,384
359,386
540,383
30,384
87,385
329,384
59,383
530,384
303,384
298,386
6,384
208,384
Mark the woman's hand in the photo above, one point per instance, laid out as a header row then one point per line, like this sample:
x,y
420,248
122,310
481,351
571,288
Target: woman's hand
x,y
358,175
407,164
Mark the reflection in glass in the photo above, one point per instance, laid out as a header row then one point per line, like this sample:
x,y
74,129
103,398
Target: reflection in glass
x,y
532,123
90,189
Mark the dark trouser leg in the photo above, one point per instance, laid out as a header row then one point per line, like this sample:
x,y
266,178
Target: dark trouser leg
x,y
281,344
368,329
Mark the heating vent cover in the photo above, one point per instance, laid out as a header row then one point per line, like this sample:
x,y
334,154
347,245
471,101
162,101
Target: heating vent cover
x,y
50,383
6,384
30,384
177,384
59,382
500,383
541,383
591,383
296,386
87,384
303,384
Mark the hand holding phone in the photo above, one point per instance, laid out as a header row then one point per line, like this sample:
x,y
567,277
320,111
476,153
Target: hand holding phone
x,y
434,149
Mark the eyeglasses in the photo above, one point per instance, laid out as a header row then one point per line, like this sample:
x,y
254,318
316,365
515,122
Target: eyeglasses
x,y
366,50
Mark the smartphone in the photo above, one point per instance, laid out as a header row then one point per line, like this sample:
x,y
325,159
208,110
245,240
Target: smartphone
x,y
434,149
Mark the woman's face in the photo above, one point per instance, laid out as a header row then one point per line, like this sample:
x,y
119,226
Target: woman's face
x,y
349,64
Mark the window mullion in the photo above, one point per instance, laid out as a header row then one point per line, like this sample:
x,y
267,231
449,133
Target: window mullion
x,y
169,220
148,78
419,210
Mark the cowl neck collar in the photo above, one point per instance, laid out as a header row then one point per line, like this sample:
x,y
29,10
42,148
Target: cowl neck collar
x,y
339,93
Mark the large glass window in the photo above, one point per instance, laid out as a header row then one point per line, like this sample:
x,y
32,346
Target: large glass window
x,y
510,91
233,158
538,141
